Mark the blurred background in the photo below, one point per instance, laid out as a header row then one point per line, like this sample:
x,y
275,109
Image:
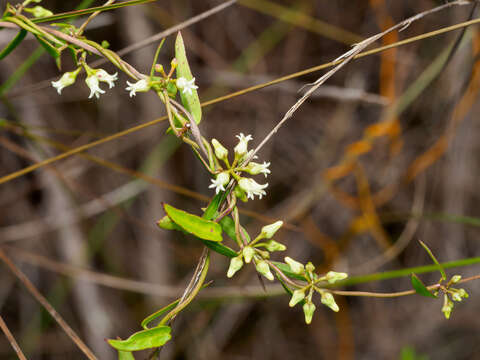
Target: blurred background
x,y
381,156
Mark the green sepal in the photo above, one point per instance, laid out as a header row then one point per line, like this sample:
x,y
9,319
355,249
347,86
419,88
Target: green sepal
x,y
145,339
13,44
195,225
419,287
190,101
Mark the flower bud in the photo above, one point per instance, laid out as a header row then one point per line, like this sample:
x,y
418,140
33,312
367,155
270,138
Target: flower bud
x,y
236,264
295,266
455,279
459,294
308,310
39,11
272,245
447,306
248,253
328,300
263,268
298,295
220,151
310,267
333,276
269,230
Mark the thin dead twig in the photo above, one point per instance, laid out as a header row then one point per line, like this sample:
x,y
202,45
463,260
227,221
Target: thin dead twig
x,y
49,308
11,340
346,58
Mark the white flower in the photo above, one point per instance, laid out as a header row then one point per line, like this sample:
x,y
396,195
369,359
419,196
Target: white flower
x,y
252,188
102,75
92,82
67,79
220,182
186,85
139,86
254,168
242,146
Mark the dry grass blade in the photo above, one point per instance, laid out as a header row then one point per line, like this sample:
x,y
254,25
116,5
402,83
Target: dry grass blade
x,y
11,340
49,308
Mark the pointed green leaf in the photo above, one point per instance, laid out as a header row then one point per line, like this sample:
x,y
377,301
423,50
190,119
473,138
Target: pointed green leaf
x,y
190,101
52,50
419,287
145,339
212,208
220,248
201,228
228,225
125,355
430,253
13,44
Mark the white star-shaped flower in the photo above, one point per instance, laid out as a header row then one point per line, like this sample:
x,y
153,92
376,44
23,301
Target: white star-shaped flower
x,y
254,168
92,82
220,182
102,75
251,187
242,146
186,85
139,86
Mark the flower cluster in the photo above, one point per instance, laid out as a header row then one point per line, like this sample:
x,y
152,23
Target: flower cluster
x,y
94,77
246,188
305,293
455,294
251,251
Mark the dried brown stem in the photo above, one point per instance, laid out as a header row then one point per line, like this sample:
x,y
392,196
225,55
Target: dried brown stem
x,y
49,308
11,340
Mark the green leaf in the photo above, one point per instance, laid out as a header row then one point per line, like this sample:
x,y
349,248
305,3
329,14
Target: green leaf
x,y
200,227
419,287
190,101
158,313
287,271
440,267
51,50
145,339
212,208
228,225
125,355
13,44
220,248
